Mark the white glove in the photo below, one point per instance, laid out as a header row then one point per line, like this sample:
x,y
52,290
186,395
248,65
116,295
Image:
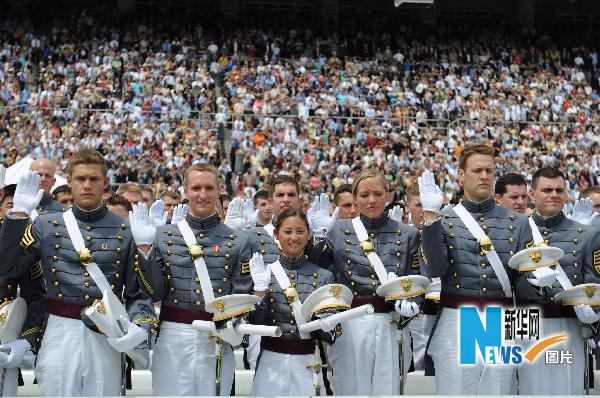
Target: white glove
x,y
2,175
319,220
250,214
592,344
234,218
134,337
586,314
583,211
158,216
182,192
430,194
16,351
179,213
229,334
27,195
142,230
261,273
407,309
544,276
396,213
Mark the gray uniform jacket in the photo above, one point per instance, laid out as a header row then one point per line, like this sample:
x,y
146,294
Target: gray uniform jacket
x,y
170,270
50,206
109,239
305,277
395,243
31,288
450,252
581,262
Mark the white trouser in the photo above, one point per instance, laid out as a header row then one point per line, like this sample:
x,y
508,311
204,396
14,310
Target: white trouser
x,y
364,360
285,375
420,329
451,377
253,350
75,361
184,362
10,382
540,378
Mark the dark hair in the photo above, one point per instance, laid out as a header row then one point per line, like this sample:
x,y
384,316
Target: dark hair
x,y
508,179
61,189
262,194
9,190
223,197
546,172
339,190
118,200
283,179
290,213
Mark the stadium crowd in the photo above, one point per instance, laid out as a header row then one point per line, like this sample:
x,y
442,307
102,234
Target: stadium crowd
x,y
154,98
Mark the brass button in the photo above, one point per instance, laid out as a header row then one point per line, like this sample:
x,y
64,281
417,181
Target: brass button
x,y
458,286
169,233
219,290
511,240
451,261
55,283
511,252
171,289
373,283
450,247
512,218
575,276
348,261
483,265
88,238
397,265
484,276
315,275
57,235
225,279
201,236
482,219
119,250
291,321
86,274
293,284
54,222
580,230
197,302
123,226
575,241
54,258
175,301
456,274
484,289
86,284
346,231
574,252
227,256
398,254
53,270
575,264
229,244
484,227
292,276
351,283
546,233
57,247
349,272
87,297
88,228
347,250
60,295
452,235
372,276
347,241
169,243
372,235
197,291
450,225
197,280
118,263
226,267
117,275
314,284
510,227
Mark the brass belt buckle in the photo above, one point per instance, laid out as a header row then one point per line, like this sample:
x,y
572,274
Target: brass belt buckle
x,y
196,251
367,246
85,257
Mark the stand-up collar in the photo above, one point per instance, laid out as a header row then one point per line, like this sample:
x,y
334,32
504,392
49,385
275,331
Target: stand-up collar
x,y
90,216
203,223
372,224
479,207
549,222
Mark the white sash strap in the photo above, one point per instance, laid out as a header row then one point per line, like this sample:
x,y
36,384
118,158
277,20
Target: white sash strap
x,y
75,235
361,234
562,278
270,228
199,263
491,255
284,283
33,215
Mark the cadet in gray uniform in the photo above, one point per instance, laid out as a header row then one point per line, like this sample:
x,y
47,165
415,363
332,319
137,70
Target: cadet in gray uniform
x,y
364,359
288,354
581,264
183,358
451,252
30,287
73,359
45,169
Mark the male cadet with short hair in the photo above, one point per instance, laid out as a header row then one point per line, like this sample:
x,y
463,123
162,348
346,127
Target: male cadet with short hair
x,y
74,359
171,200
265,209
28,286
132,192
414,207
511,192
183,361
594,194
580,264
62,194
46,169
343,199
468,247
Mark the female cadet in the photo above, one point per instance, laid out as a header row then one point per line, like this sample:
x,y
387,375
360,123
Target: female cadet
x,y
282,369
